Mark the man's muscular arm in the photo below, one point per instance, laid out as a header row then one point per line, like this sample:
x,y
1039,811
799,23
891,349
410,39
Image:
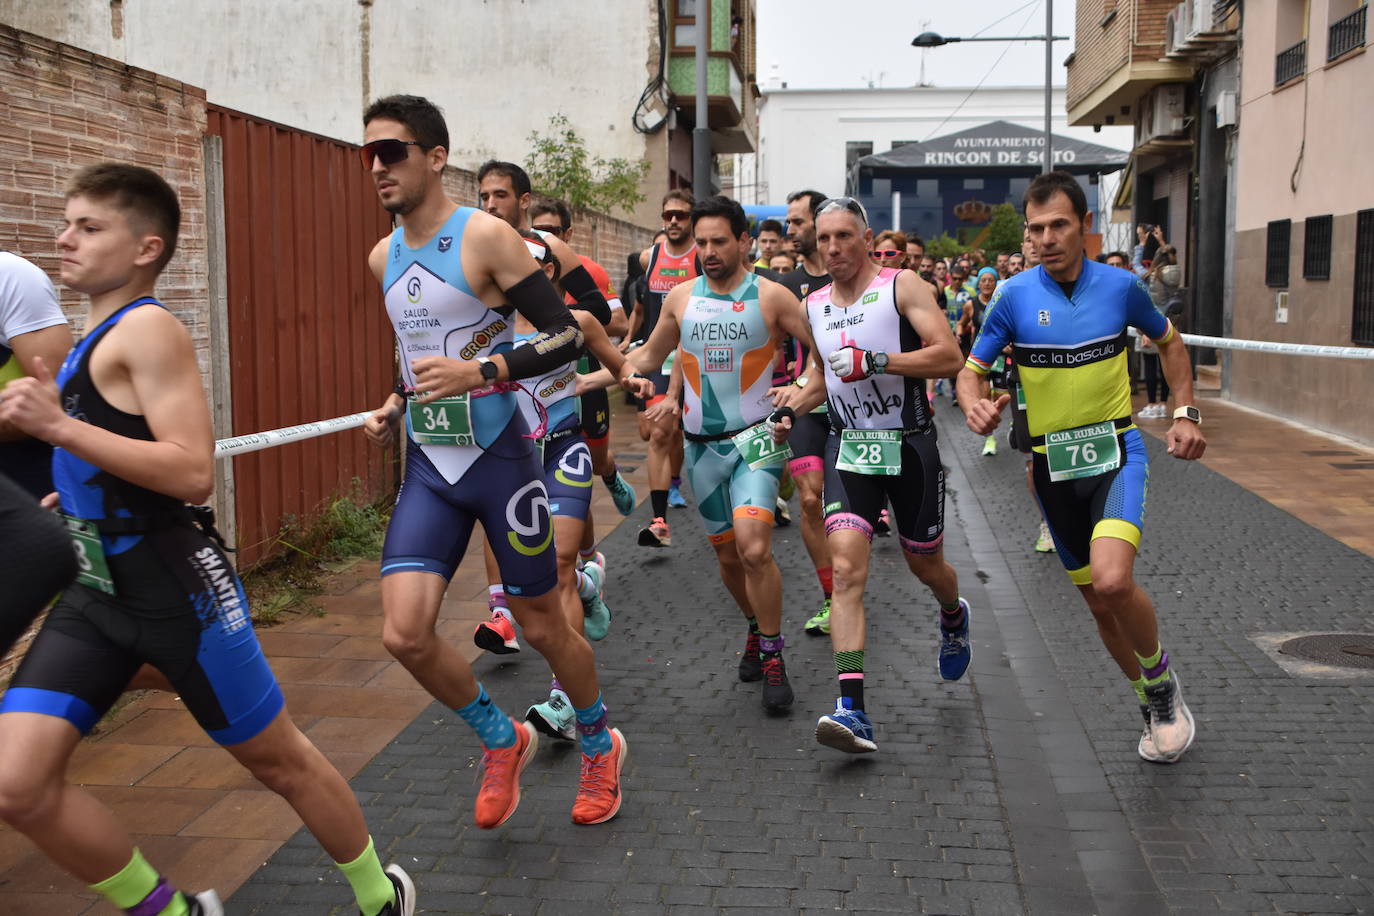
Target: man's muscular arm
x,y
578,282
665,337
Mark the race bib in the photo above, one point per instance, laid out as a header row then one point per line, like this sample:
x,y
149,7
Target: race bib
x,y
757,448
1020,397
92,570
447,421
871,451
1084,451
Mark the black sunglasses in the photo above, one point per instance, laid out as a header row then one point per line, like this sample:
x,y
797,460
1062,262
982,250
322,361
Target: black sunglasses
x,y
552,230
389,151
670,215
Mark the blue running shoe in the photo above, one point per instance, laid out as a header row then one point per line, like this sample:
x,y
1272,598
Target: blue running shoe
x,y
675,500
846,729
596,616
955,652
622,494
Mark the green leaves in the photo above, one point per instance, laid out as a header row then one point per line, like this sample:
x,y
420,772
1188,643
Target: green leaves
x,y
560,166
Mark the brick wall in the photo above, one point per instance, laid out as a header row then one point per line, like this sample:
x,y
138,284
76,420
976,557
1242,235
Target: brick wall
x,y
62,109
1135,33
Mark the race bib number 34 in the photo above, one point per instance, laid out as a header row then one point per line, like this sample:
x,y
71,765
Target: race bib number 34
x,y
871,451
1084,451
92,570
758,448
447,421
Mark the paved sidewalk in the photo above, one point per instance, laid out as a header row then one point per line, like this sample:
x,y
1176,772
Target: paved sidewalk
x,y
1015,791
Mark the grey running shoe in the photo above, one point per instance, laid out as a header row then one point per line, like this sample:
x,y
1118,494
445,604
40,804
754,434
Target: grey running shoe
x,y
1171,723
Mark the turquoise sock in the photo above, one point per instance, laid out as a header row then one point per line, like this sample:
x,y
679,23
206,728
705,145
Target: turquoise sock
x,y
493,726
591,725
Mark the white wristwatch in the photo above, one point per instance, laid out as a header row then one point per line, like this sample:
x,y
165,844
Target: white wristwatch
x,y
1188,412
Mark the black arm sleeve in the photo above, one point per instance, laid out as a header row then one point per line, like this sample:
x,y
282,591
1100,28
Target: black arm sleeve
x,y
559,339
580,285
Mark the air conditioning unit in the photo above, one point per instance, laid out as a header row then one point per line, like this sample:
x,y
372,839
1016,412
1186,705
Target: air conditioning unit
x,y
1203,19
1161,113
1172,31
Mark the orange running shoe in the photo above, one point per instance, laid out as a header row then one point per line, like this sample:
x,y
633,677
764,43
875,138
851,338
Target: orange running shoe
x,y
497,635
656,535
598,789
501,767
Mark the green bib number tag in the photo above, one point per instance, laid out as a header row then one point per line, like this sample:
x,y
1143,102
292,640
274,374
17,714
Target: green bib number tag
x,y
759,450
92,570
871,451
1084,451
447,421
1020,397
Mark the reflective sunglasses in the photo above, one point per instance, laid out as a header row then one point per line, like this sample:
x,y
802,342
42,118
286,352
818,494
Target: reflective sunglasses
x,y
552,230
885,253
389,151
670,215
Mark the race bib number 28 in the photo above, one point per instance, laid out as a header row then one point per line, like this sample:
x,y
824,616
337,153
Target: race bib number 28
x,y
871,451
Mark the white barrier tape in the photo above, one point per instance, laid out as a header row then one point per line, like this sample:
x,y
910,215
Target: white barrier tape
x,y
255,442
1271,346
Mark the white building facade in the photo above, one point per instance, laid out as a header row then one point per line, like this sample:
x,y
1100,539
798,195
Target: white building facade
x,y
808,138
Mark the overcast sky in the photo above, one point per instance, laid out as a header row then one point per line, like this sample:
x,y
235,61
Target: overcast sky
x,y
848,43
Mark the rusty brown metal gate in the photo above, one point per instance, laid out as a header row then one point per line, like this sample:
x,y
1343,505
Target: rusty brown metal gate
x,y
308,337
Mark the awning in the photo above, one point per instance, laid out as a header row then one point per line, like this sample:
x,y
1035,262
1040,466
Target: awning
x,y
998,146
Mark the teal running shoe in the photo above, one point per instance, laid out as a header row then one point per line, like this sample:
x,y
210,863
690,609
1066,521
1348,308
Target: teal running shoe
x,y
597,616
675,500
554,717
622,494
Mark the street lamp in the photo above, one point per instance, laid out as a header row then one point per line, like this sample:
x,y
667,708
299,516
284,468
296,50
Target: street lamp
x,y
935,40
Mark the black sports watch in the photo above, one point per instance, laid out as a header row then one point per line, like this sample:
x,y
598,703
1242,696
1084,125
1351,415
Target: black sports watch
x,y
879,359
488,369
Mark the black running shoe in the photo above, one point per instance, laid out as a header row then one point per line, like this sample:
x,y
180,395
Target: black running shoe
x,y
750,665
777,692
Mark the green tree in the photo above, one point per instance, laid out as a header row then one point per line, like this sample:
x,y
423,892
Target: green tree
x,y
944,246
560,166
1004,231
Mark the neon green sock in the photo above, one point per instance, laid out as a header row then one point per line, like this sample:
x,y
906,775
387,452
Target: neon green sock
x,y
1154,668
1139,685
134,882
371,886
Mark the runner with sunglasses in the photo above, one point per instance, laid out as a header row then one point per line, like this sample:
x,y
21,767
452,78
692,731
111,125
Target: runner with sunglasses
x,y
666,265
880,333
453,278
726,324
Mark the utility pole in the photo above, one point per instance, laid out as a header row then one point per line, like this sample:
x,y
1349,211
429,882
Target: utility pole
x,y
701,131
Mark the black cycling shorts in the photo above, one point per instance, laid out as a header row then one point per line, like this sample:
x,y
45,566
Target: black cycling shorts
x,y
92,643
853,501
810,431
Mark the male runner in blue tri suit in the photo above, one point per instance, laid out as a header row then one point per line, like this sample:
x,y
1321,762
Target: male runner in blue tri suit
x,y
1066,322
133,445
452,278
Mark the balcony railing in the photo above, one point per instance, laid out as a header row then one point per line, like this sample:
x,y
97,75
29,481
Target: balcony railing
x,y
1290,63
1346,34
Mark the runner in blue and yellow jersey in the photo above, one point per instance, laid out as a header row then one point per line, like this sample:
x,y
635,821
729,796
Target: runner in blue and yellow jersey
x,y
728,323
1066,322
453,279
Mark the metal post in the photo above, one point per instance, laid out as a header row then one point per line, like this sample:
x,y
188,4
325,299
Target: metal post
x,y
1048,164
701,132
